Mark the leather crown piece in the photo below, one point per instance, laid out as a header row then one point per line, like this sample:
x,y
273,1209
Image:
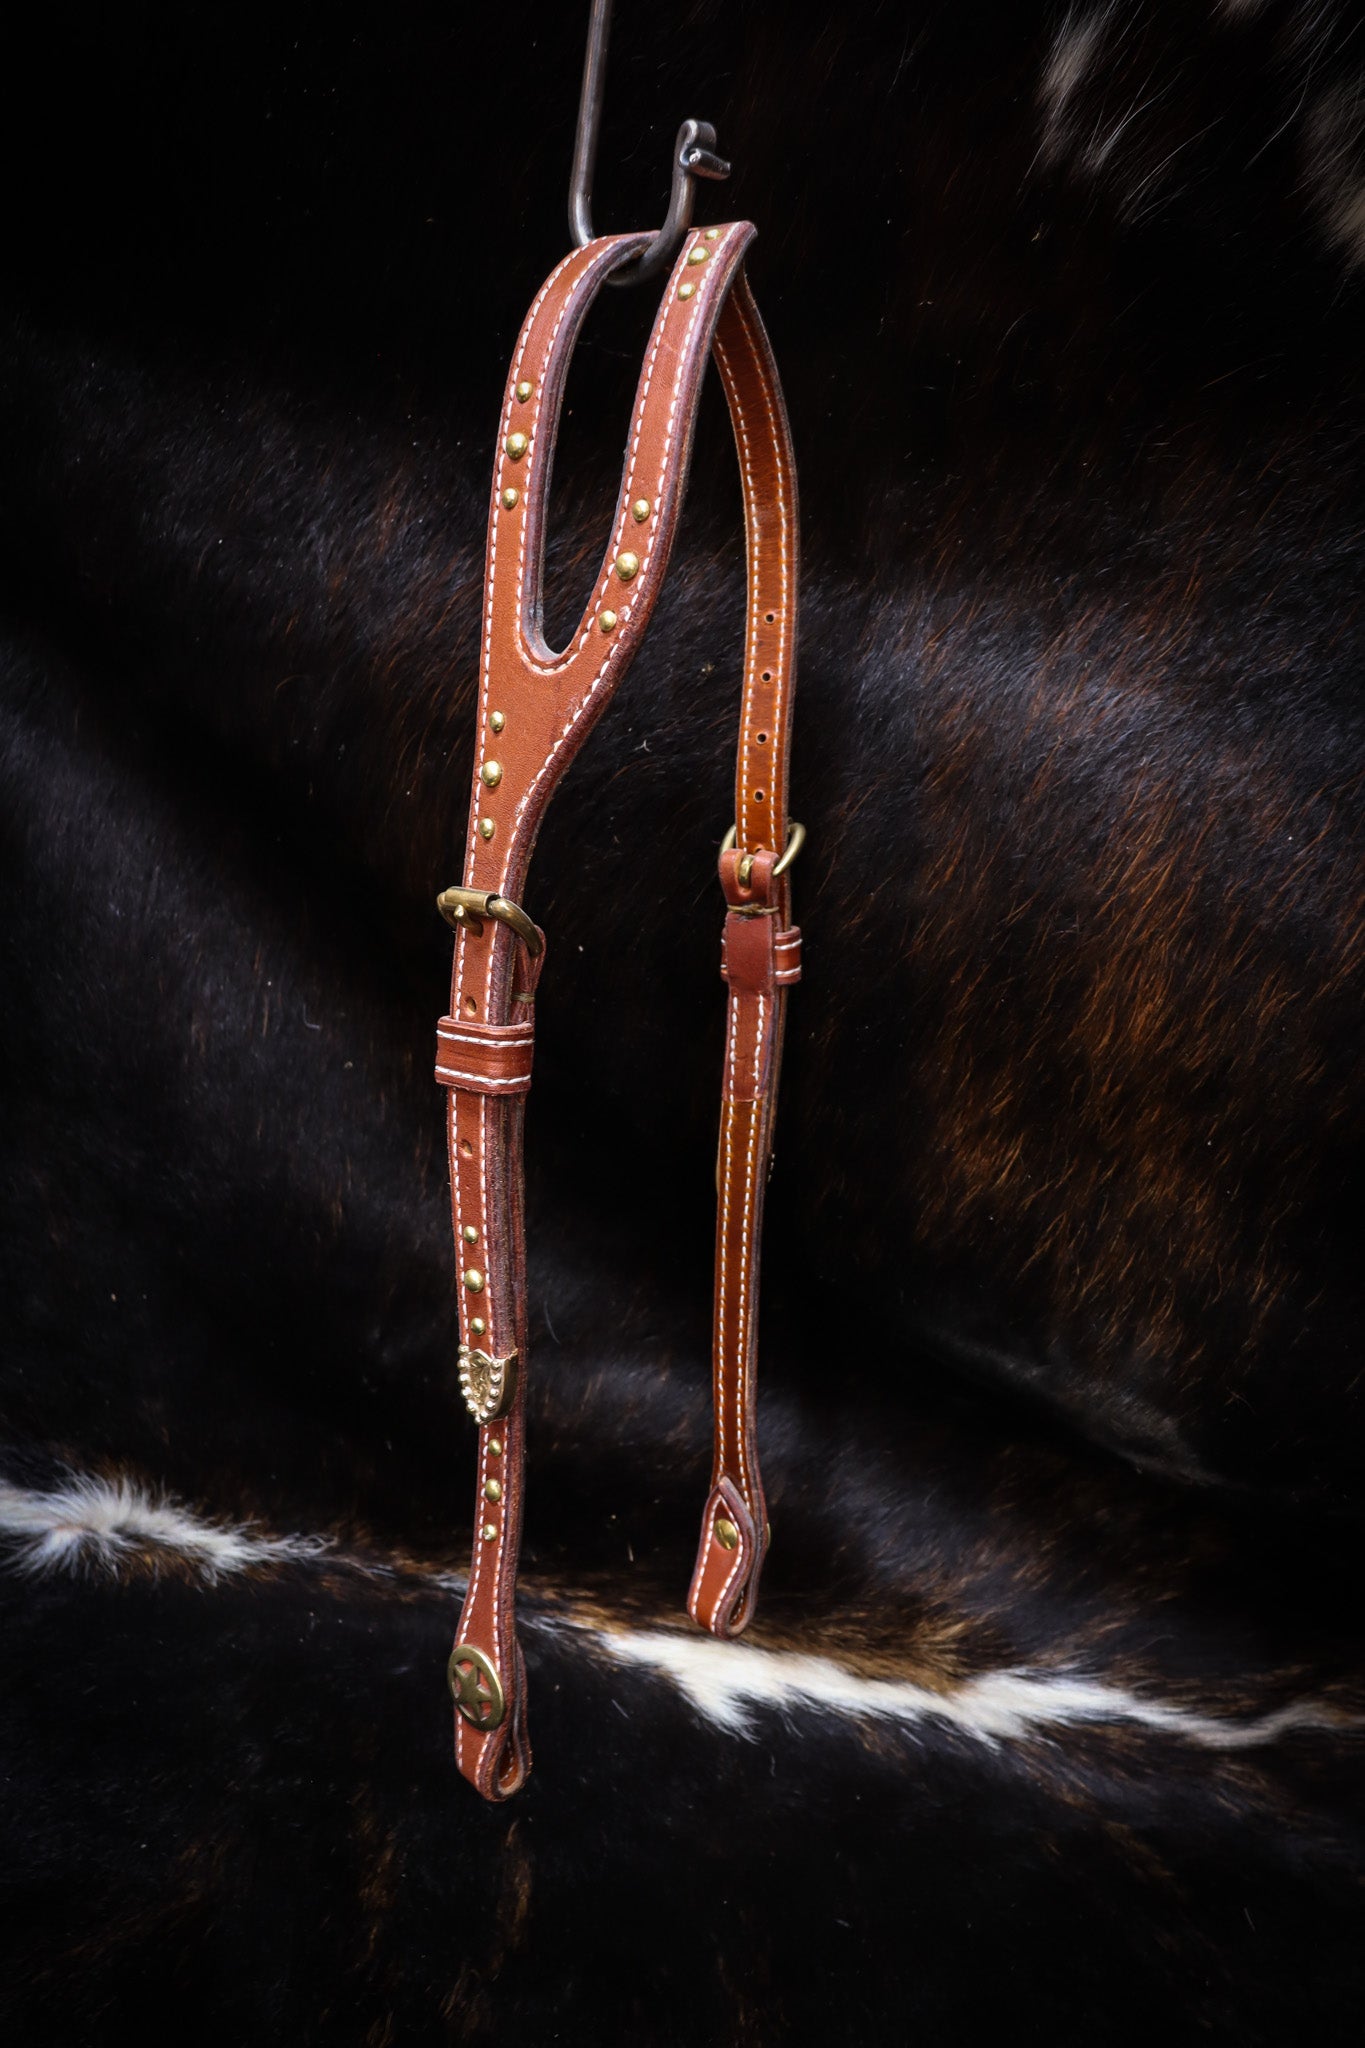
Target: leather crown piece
x,y
535,709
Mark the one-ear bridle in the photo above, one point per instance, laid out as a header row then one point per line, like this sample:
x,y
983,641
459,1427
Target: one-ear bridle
x,y
535,709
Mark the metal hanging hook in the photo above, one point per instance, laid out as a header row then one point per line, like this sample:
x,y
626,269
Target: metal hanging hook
x,y
694,156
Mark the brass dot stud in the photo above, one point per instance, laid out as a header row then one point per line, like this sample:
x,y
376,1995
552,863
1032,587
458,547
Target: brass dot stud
x,y
496,720
486,828
473,1280
470,1234
524,390
510,499
492,1489
713,234
640,510
477,1325
727,1535
491,773
607,621
516,446
685,291
698,255
626,565
495,1446
490,1530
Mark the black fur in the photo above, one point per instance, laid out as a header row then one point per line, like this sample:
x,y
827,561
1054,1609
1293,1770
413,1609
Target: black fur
x,y
1068,307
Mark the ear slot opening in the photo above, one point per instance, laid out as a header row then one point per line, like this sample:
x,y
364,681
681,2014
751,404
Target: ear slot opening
x,y
581,442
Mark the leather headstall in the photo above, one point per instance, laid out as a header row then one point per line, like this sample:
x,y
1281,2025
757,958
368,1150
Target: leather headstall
x,y
535,709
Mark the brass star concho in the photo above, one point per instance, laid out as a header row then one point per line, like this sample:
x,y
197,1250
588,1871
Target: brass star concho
x,y
487,1384
476,1688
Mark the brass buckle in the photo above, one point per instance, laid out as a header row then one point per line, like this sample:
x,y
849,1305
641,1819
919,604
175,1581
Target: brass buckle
x,y
469,907
796,839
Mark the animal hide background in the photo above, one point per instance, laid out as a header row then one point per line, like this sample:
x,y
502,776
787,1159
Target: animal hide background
x,y
1049,1728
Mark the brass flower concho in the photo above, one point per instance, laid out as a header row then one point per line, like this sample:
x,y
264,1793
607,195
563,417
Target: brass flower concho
x,y
487,1384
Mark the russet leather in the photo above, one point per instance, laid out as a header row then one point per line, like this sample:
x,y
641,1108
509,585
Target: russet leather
x,y
535,709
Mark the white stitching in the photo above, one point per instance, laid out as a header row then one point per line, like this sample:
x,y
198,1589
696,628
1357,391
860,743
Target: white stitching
x,y
510,1035
760,362
728,1104
463,1314
486,1083
512,381
742,1334
590,269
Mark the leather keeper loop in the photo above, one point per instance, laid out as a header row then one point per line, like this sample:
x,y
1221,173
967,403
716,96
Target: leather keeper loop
x,y
489,1059
786,954
758,888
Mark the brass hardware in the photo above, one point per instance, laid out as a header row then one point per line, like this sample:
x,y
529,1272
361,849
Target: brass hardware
x,y
486,828
487,1384
524,390
640,510
468,906
713,234
470,1234
745,869
495,1446
477,1325
685,291
496,720
698,255
492,1489
511,498
490,1530
626,565
727,1535
491,774
473,1280
475,1685
796,839
606,620
516,446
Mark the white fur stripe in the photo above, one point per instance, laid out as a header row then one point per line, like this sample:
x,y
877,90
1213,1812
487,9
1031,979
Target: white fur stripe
x,y
727,1681
90,1520
109,1523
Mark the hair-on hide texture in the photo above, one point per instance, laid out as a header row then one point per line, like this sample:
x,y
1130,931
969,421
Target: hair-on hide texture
x,y
1050,1726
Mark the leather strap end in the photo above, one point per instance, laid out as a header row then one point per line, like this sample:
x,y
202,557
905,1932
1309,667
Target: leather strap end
x,y
724,1589
503,1759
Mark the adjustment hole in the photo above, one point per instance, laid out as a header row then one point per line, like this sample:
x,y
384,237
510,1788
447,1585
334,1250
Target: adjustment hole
x,y
466,1149
758,796
767,675
770,616
471,1007
763,739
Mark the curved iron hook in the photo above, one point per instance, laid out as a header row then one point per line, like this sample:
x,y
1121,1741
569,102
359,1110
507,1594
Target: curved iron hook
x,y
694,156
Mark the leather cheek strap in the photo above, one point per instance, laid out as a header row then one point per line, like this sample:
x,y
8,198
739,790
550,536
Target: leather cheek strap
x,y
760,959
535,708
